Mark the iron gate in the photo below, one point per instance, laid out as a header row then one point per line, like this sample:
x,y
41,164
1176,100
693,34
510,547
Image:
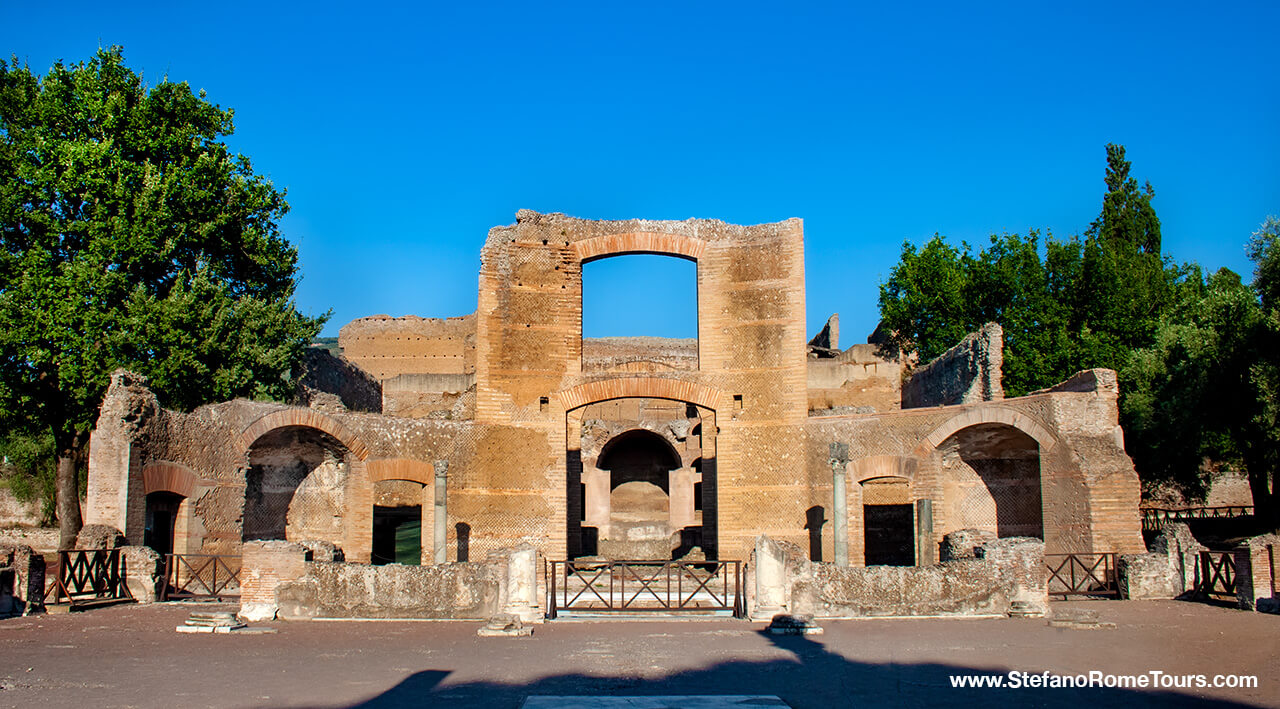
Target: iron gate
x,y
645,587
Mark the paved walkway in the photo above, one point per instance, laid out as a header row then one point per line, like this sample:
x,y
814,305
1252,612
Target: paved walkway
x,y
131,656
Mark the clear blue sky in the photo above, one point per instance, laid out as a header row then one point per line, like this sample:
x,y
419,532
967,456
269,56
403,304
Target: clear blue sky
x,y
403,133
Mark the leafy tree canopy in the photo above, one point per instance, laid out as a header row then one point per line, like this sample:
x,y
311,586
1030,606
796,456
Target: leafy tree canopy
x,y
132,237
1069,305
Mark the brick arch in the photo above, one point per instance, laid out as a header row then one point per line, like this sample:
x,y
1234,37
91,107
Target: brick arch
x,y
883,466
640,387
164,476
988,414
307,418
400,469
638,242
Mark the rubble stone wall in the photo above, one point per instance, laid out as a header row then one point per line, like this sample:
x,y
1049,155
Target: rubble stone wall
x,y
964,374
1005,575
466,591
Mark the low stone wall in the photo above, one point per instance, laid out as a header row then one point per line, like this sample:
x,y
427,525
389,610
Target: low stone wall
x,y
290,581
1004,576
338,590
42,539
18,513
1169,570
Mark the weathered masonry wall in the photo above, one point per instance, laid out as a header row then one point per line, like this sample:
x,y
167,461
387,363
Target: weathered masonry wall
x,y
977,464
654,446
385,346
1004,576
857,380
751,345
965,374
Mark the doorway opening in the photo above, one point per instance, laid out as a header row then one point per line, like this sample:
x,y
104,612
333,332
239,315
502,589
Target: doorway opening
x,y
397,535
888,522
397,522
161,521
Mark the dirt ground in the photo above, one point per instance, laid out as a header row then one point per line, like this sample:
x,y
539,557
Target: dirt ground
x,y
130,656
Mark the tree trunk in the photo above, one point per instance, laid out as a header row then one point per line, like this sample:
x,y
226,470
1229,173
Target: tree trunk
x,y
68,491
1265,507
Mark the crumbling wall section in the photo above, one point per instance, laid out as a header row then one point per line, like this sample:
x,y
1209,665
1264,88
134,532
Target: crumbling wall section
x,y
466,591
435,396
334,383
857,380
639,354
965,374
1169,570
1005,576
22,580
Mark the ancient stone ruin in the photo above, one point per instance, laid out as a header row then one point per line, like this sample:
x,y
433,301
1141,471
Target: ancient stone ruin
x,y
455,441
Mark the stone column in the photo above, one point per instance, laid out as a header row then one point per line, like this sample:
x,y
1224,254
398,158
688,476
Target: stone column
x,y
522,584
441,516
770,580
924,532
840,506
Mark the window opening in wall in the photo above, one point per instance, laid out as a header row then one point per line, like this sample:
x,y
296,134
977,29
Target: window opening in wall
x,y
397,535
639,313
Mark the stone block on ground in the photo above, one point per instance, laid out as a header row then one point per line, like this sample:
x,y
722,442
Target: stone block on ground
x,y
504,625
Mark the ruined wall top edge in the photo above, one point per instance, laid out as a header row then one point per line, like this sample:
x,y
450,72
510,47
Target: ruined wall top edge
x,y
573,229
411,323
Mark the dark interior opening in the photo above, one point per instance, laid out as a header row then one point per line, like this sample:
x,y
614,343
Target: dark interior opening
x,y
397,535
889,535
162,515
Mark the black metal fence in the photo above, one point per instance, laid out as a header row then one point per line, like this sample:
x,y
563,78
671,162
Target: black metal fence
x,y
645,587
1082,574
200,576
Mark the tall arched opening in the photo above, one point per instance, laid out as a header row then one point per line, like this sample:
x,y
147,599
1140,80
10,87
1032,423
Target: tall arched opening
x,y
992,480
641,478
295,486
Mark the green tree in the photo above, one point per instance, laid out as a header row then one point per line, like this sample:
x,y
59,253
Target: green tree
x,y
1079,303
132,237
1262,444
1188,398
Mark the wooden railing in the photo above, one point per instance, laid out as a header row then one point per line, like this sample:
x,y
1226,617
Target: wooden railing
x,y
1153,517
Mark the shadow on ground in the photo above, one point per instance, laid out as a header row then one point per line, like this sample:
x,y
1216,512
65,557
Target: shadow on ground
x,y
814,679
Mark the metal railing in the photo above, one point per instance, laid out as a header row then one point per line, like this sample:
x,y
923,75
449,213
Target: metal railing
x,y
1082,574
1153,517
200,576
645,587
89,577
